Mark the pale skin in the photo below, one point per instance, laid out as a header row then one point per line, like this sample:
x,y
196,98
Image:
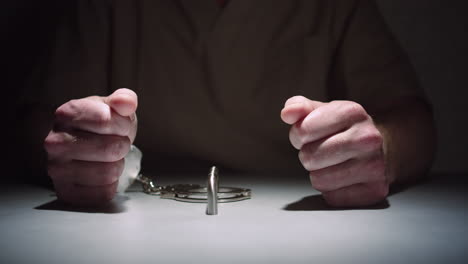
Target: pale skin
x,y
91,136
342,149
351,159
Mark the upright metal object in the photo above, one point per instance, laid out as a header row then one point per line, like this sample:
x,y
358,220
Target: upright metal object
x,y
212,188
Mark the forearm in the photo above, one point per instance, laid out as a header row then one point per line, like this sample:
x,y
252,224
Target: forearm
x,y
409,141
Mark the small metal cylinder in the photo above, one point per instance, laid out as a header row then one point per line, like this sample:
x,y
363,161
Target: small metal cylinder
x,y
212,187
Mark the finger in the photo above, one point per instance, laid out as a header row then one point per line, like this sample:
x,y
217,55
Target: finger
x,y
86,173
326,152
93,115
364,194
85,146
84,195
296,108
325,121
348,173
123,101
358,142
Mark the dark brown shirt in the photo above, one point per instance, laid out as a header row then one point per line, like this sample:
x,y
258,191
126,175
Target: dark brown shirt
x,y
211,82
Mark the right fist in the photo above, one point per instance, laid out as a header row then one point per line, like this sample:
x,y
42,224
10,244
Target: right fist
x,y
87,146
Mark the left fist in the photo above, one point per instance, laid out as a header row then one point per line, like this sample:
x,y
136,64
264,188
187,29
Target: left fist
x,y
342,149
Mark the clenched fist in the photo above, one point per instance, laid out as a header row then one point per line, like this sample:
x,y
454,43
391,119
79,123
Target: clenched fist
x,y
341,148
87,146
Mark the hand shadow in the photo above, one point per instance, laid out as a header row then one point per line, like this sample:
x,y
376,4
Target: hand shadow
x,y
317,203
113,207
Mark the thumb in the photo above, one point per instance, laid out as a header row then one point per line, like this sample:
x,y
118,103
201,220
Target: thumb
x,y
297,108
123,101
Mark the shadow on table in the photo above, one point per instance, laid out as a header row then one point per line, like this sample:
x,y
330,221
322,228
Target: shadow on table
x,y
317,203
114,207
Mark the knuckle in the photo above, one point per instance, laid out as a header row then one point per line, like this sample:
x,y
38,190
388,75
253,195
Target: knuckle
x,y
53,143
294,138
111,171
336,146
305,127
306,160
311,157
319,183
370,139
50,144
106,169
117,147
102,120
63,111
68,110
353,111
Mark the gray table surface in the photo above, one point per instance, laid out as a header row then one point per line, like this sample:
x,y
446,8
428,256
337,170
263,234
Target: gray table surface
x,y
286,221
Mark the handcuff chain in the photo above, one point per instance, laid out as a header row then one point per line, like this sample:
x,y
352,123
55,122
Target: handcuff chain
x,y
148,185
193,193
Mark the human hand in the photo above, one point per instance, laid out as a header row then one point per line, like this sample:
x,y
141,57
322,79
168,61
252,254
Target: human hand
x,y
341,148
87,146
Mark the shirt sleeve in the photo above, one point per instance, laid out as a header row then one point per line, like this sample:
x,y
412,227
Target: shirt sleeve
x,y
370,66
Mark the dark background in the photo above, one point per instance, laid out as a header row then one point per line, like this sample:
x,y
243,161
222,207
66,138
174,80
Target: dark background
x,y
433,32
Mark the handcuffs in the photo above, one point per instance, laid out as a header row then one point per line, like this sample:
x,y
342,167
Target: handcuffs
x,y
212,193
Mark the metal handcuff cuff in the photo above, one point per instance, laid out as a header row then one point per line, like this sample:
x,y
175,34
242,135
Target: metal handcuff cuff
x,y
212,194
